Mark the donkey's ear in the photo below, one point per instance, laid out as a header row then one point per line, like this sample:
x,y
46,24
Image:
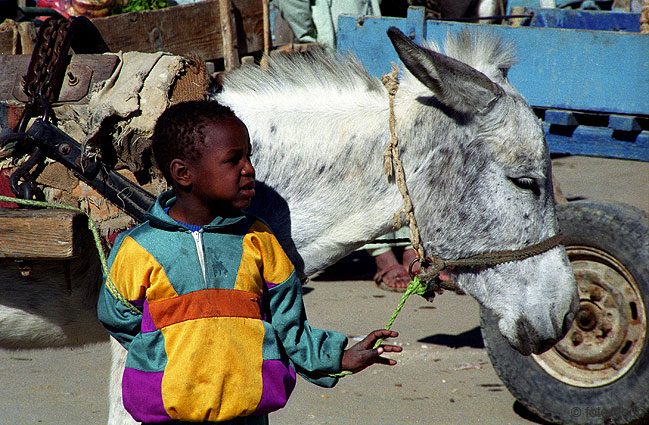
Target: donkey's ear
x,y
455,83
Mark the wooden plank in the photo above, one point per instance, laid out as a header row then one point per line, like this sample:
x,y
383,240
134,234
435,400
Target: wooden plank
x,y
228,35
42,233
9,38
193,29
560,117
584,19
624,123
597,141
17,37
28,36
15,66
556,69
266,24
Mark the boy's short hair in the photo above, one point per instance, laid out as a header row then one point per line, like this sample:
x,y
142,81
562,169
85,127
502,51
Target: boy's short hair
x,y
179,131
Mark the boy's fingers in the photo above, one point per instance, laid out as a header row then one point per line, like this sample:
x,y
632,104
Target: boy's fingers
x,y
382,333
385,361
369,341
391,348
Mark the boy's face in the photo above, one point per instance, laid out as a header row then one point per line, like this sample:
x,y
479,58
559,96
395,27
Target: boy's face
x,y
223,176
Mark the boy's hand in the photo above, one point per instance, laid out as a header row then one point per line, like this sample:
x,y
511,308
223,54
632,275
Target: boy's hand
x,y
362,355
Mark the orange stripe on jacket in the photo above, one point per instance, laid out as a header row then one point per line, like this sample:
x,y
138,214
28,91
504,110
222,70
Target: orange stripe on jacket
x,y
203,304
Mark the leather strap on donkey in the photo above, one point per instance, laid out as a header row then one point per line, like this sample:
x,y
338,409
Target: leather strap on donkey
x,y
435,264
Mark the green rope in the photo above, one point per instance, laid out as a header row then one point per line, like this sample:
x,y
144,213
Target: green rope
x,y
416,286
95,235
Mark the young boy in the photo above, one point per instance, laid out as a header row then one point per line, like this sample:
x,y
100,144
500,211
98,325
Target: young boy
x,y
223,328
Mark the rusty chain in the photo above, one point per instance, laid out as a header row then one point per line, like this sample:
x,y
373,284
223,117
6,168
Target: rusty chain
x,y
42,85
46,71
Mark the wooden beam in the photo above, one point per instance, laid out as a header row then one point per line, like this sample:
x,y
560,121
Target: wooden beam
x,y
566,118
28,36
42,233
228,35
267,35
193,29
9,38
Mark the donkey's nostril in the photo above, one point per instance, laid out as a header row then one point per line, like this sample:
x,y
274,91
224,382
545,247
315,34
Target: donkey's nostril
x,y
567,322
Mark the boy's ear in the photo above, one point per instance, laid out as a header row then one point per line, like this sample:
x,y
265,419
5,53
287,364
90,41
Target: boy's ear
x,y
180,173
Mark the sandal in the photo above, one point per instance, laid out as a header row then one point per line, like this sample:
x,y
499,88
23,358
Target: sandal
x,y
388,284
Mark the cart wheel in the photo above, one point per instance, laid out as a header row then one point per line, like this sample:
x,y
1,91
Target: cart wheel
x,y
598,373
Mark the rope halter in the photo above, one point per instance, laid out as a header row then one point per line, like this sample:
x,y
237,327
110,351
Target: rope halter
x,y
393,168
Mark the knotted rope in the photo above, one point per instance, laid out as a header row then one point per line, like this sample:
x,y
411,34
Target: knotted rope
x,y
393,167
95,234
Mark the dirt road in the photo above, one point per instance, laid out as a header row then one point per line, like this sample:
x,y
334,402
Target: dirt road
x,y
443,375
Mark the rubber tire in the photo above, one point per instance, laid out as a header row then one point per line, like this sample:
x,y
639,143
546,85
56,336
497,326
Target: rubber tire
x,y
623,232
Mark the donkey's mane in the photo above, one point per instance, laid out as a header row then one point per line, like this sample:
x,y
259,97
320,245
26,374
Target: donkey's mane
x,y
296,71
318,70
483,50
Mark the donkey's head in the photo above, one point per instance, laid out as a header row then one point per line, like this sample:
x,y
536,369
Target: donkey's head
x,y
489,183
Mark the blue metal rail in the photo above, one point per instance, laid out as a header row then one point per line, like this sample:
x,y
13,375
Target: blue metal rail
x,y
591,88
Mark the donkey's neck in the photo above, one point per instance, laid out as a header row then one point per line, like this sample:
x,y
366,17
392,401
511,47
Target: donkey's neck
x,y
320,181
318,152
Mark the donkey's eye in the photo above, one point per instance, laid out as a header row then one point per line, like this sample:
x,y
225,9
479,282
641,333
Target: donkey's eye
x,y
526,183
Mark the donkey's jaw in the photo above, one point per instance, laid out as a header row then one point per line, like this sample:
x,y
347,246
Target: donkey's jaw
x,y
535,311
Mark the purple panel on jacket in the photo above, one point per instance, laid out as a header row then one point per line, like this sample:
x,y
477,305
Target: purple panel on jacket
x,y
278,381
137,303
147,321
142,395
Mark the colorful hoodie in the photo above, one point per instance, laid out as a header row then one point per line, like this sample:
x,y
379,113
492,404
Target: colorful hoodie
x,y
223,327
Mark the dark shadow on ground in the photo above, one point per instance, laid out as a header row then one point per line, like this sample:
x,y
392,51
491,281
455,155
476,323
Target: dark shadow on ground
x,y
575,198
358,265
526,414
471,338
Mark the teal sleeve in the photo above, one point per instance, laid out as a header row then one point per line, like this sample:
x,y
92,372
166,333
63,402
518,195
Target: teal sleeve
x,y
118,319
315,353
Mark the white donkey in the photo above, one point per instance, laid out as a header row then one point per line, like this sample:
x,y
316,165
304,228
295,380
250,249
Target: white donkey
x,y
475,159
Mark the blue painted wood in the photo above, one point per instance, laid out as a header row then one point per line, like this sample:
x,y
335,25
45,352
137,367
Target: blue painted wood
x,y
415,24
366,38
558,68
559,117
604,72
597,141
558,4
624,123
584,19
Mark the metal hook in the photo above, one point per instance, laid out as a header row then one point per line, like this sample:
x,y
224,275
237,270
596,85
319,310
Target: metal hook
x,y
26,189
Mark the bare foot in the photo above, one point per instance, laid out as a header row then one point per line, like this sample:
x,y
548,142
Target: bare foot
x,y
391,275
408,256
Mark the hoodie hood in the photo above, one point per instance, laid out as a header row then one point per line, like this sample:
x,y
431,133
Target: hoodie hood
x,y
159,218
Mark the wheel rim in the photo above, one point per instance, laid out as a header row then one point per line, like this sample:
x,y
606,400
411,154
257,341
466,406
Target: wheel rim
x,y
609,331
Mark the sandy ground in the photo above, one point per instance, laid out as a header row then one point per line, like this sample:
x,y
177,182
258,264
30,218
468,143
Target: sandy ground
x,y
443,376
